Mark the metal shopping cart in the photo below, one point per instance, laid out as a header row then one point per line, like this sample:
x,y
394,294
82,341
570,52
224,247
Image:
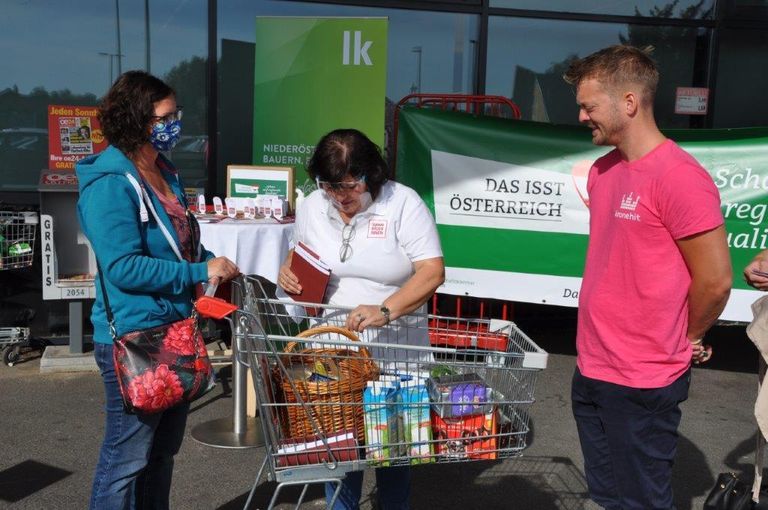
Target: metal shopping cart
x,y
18,230
333,401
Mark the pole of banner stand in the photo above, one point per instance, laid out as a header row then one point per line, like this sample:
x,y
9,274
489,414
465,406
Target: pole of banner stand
x,y
238,431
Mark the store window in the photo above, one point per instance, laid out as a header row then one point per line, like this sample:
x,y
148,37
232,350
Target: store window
x,y
526,64
741,79
427,52
746,9
685,9
72,56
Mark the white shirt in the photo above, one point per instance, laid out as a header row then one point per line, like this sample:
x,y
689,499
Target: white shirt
x,y
395,231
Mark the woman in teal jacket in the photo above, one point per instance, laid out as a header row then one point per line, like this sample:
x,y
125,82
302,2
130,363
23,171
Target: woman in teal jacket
x,y
133,211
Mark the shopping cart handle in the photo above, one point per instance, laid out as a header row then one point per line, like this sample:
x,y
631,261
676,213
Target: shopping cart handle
x,y
213,307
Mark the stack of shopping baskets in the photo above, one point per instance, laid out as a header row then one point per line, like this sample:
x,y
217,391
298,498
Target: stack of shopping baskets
x,y
18,230
332,400
17,238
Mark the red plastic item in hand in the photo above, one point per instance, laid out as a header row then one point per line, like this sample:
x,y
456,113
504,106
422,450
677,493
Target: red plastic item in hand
x,y
214,308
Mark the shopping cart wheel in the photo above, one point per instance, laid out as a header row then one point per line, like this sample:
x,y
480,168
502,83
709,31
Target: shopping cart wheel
x,y
11,355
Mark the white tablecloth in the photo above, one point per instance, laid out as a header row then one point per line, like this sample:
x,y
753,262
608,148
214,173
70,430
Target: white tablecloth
x,y
256,248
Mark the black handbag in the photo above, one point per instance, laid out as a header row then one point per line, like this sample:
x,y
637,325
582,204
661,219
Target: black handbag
x,y
729,493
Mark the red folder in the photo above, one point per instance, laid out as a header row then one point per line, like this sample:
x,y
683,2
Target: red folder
x,y
313,275
312,450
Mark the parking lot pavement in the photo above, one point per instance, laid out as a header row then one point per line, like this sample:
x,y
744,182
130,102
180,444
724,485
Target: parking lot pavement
x,y
52,425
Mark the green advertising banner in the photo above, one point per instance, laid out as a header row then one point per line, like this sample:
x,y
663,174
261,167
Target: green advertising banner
x,y
510,200
314,75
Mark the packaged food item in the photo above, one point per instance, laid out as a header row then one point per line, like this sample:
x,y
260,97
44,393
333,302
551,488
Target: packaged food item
x,y
472,437
417,430
380,408
18,249
459,395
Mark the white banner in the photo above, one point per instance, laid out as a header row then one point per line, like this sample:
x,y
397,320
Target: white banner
x,y
483,193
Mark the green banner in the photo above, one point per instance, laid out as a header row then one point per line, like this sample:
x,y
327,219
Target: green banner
x,y
314,75
510,200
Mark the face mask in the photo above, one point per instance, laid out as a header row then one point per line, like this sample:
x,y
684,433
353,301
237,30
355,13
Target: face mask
x,y
165,136
365,201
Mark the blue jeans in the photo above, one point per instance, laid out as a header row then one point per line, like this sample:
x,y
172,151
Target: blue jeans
x,y
393,485
629,439
136,459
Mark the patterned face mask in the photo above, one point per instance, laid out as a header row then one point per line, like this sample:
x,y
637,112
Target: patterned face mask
x,y
165,135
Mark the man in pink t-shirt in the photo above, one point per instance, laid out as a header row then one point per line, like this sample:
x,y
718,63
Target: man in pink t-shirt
x,y
657,276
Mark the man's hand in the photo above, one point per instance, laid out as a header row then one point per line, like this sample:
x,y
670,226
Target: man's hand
x,y
700,352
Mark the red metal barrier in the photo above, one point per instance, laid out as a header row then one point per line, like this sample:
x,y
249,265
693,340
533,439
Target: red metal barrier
x,y
494,106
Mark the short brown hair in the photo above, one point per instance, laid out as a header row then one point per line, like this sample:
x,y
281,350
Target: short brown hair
x,y
618,65
127,109
345,152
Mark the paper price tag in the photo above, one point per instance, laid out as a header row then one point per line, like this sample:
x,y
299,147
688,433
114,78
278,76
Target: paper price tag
x,y
201,204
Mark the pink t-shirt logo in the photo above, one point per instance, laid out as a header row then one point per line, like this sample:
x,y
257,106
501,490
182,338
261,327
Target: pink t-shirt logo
x,y
629,204
626,210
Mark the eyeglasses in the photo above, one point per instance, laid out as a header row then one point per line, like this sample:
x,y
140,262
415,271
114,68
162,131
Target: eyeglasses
x,y
347,234
171,117
339,186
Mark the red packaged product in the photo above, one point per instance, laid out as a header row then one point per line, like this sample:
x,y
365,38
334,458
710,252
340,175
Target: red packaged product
x,y
473,437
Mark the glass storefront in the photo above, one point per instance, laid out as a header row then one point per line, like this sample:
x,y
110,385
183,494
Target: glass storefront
x,y
688,9
519,51
427,52
73,54
741,79
526,63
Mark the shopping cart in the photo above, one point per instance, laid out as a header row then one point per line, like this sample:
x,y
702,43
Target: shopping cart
x,y
18,230
333,401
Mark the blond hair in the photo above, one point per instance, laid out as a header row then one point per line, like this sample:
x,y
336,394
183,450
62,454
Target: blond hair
x,y
618,65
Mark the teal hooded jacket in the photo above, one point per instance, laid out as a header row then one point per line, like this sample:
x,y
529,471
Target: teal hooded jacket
x,y
146,283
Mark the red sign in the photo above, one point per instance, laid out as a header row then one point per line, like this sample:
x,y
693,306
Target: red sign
x,y
73,133
64,178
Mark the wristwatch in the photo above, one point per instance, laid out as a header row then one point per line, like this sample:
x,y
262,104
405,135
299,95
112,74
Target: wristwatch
x,y
385,312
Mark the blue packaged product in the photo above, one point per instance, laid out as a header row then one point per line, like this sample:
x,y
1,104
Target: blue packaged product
x,y
380,414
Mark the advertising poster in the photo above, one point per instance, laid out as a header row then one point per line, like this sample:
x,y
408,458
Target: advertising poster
x,y
313,75
511,205
73,133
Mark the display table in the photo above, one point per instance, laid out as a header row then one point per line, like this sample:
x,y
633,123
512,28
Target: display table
x,y
256,248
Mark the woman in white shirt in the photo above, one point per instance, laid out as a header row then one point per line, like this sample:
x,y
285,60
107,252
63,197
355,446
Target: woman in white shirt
x,y
381,243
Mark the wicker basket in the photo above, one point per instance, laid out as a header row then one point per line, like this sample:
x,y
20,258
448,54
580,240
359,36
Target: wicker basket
x,y
334,405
